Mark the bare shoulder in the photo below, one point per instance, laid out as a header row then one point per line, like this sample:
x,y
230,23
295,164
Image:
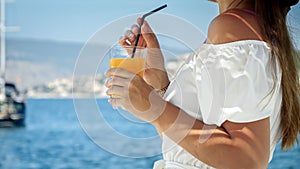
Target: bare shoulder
x,y
233,26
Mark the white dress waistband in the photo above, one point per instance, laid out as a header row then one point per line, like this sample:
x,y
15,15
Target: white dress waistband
x,y
161,164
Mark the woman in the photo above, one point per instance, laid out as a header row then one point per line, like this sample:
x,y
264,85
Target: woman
x,y
239,91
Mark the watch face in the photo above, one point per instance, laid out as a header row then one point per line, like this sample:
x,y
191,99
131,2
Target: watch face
x,y
161,92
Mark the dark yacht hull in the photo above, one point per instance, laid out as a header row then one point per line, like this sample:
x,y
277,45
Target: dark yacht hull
x,y
12,114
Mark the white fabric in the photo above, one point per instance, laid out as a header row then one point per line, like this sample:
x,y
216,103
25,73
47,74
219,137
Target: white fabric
x,y
231,81
161,164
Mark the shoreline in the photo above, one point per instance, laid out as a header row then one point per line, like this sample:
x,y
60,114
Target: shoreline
x,y
62,98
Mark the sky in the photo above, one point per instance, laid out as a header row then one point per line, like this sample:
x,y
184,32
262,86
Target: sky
x,y
77,20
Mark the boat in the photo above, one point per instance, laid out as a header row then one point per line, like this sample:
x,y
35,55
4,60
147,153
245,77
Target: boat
x,y
12,102
12,108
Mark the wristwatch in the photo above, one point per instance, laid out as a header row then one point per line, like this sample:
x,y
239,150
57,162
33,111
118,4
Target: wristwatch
x,y
162,91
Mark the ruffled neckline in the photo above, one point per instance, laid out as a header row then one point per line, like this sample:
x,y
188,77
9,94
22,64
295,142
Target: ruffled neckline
x,y
237,43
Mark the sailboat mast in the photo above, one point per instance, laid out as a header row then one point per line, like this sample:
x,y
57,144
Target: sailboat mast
x,y
3,48
3,52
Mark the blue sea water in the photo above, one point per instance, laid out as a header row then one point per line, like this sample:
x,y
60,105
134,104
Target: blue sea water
x,y
54,139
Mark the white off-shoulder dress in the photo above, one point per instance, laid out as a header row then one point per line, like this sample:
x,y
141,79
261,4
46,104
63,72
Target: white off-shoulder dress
x,y
226,82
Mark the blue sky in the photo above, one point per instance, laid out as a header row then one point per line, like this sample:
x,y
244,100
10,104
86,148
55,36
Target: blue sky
x,y
77,20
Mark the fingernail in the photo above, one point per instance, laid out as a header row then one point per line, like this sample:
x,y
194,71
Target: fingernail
x,y
134,29
128,42
131,35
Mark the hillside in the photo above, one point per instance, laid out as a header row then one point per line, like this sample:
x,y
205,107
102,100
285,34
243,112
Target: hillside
x,y
45,68
32,62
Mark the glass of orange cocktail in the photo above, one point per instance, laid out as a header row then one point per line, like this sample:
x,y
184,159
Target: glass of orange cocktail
x,y
120,57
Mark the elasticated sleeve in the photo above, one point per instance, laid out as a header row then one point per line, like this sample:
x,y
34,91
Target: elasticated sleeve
x,y
235,83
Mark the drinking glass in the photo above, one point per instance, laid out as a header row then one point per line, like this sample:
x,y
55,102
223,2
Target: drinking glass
x,y
120,57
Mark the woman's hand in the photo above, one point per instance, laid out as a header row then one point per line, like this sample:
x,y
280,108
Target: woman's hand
x,y
155,73
133,94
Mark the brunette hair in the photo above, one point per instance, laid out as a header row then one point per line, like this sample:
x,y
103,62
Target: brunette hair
x,y
273,14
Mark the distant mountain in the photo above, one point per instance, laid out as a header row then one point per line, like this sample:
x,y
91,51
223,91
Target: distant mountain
x,y
85,87
37,62
34,62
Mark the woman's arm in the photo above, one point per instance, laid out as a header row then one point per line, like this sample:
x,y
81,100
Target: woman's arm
x,y
232,146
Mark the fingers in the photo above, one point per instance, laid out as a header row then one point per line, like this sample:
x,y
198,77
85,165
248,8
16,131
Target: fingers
x,y
124,42
135,29
128,39
119,72
117,81
148,38
117,86
148,34
130,36
139,21
115,91
115,102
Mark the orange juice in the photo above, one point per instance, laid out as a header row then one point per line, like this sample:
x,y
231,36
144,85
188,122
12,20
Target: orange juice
x,y
135,65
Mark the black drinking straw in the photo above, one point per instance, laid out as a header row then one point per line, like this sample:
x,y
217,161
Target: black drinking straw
x,y
140,28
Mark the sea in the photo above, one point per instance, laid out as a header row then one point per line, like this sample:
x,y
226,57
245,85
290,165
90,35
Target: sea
x,y
54,138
